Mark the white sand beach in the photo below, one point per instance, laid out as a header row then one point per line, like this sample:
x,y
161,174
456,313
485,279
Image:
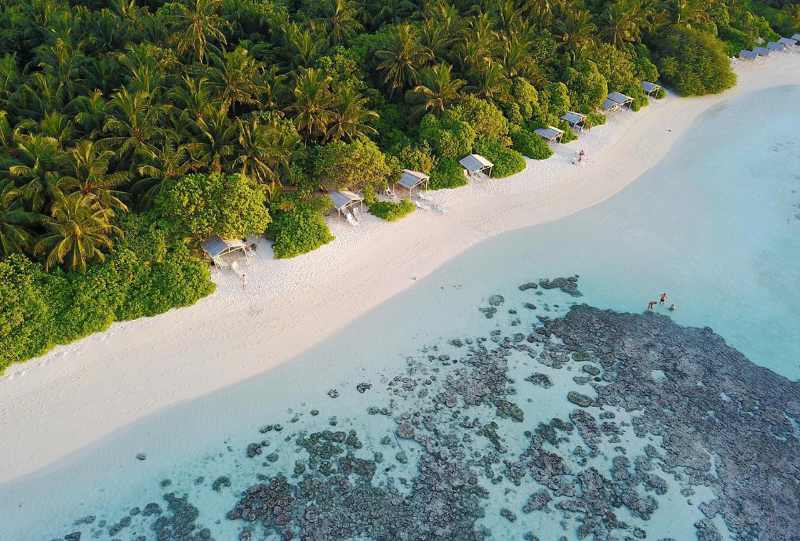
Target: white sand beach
x,y
76,394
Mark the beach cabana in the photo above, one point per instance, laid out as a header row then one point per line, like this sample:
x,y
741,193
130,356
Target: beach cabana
x,y
650,88
775,46
789,42
609,106
575,120
413,180
796,37
621,99
345,202
761,51
475,164
744,54
549,134
216,247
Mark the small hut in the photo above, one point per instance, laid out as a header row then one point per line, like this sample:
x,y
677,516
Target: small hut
x,y
744,54
609,106
550,134
216,247
577,121
776,46
475,164
789,42
650,88
413,180
621,99
345,202
796,38
761,51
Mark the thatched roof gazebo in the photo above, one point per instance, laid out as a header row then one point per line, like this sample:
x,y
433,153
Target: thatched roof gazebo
x,y
475,164
216,247
550,134
650,88
576,120
744,54
413,180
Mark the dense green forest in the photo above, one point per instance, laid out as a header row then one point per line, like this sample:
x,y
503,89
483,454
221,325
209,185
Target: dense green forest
x,y
131,130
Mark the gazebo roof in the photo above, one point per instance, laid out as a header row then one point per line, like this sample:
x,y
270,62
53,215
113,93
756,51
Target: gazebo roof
x,y
761,51
789,41
649,87
550,133
610,105
796,37
775,46
747,55
619,98
573,118
474,162
216,246
343,198
411,179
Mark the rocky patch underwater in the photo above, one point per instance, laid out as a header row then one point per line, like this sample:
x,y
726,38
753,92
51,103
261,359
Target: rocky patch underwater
x,y
563,421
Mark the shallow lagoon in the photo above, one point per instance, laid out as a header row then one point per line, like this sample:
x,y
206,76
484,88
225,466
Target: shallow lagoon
x,y
716,225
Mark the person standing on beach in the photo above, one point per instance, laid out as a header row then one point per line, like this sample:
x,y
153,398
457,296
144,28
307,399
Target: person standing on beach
x,y
243,278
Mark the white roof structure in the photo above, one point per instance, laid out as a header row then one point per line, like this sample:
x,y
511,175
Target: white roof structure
x,y
412,179
789,42
344,199
216,246
744,54
610,105
650,88
550,134
574,119
761,51
776,46
796,37
620,98
475,163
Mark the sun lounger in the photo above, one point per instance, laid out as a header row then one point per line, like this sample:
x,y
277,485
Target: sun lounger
x,y
351,219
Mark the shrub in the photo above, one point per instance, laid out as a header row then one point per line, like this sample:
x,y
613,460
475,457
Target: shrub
x,y
595,119
416,158
298,225
484,117
390,211
446,135
351,166
231,206
506,161
145,274
587,87
531,145
447,173
694,62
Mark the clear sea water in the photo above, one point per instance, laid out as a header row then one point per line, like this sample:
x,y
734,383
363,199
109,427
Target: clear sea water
x,y
716,225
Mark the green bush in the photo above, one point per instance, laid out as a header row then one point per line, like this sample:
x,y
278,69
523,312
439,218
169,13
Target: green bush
x,y
506,161
484,117
531,145
231,206
595,119
145,274
446,135
351,166
390,211
694,62
298,225
447,173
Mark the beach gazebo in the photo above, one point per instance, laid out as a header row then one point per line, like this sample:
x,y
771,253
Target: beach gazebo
x,y
413,180
796,37
475,164
576,120
789,42
776,46
744,54
550,134
609,106
216,247
761,51
650,88
345,202
620,98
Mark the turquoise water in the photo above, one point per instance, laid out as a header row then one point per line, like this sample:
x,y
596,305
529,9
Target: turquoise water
x,y
716,225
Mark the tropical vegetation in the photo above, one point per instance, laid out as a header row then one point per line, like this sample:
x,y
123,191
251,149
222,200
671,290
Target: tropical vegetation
x,y
130,130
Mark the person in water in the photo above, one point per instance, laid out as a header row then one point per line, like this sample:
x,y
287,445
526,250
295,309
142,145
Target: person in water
x,y
672,308
663,298
651,305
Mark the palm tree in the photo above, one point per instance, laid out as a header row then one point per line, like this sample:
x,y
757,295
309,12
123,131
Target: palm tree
x,y
575,29
403,59
134,125
351,117
39,160
90,176
340,18
194,96
172,161
479,43
199,25
15,221
439,88
313,103
78,230
218,137
237,79
90,111
623,20
303,47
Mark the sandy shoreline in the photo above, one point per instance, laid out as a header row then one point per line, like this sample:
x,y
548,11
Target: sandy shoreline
x,y
81,392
